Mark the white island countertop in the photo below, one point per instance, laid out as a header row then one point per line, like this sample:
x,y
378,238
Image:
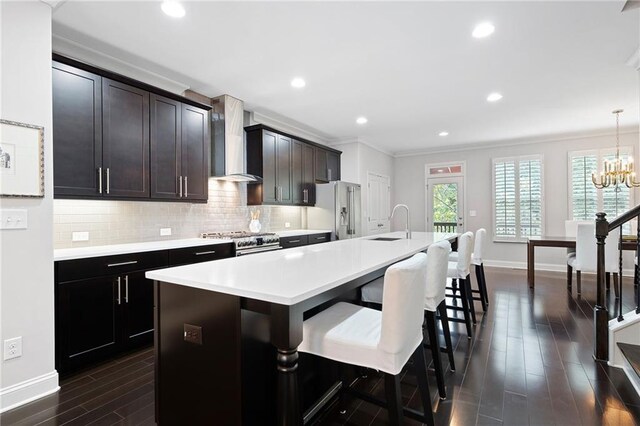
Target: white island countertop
x,y
291,276
114,249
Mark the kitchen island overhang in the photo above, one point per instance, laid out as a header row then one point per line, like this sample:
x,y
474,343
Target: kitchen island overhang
x,y
231,298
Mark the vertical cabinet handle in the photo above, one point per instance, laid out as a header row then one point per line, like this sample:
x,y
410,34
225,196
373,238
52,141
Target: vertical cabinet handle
x,y
100,180
280,192
108,183
305,195
180,179
186,186
126,289
328,174
119,294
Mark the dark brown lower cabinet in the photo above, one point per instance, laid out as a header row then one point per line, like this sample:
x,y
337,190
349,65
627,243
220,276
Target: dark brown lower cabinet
x,y
304,240
104,305
88,322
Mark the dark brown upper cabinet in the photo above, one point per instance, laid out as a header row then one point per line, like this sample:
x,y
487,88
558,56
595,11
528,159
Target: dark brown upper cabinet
x,y
114,137
288,167
179,142
77,131
125,140
327,165
269,156
303,181
195,152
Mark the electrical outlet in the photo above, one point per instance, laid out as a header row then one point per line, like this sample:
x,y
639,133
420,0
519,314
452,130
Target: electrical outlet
x,y
164,232
287,225
193,334
473,213
79,236
13,348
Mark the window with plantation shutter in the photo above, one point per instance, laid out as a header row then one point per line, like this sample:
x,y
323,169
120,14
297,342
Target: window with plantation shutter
x,y
584,199
518,198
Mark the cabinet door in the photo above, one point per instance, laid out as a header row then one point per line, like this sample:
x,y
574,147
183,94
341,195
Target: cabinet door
x,y
195,149
77,131
88,321
283,169
125,137
321,165
297,173
333,166
166,136
308,176
269,183
137,300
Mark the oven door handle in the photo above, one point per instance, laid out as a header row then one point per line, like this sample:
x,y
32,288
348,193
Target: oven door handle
x,y
257,250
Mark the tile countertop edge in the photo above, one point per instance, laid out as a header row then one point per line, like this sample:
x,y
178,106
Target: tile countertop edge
x,y
183,275
117,249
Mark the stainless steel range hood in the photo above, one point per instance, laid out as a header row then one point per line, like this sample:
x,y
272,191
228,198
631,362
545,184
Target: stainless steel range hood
x,y
227,141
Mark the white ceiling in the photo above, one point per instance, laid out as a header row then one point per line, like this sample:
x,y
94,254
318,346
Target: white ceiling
x,y
411,68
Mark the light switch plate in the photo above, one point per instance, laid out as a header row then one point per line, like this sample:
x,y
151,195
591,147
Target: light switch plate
x,y
164,232
80,236
13,219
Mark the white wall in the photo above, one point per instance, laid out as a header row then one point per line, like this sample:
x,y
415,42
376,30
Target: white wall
x,y
26,256
409,188
357,160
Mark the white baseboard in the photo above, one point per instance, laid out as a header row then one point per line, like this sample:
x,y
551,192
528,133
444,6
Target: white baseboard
x,y
551,267
29,390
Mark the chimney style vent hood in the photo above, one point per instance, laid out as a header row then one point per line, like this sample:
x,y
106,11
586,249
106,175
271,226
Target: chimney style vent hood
x,y
227,141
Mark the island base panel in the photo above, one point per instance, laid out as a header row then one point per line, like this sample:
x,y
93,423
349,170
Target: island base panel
x,y
197,384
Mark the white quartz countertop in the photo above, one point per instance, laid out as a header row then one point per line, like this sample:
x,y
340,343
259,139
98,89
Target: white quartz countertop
x,y
291,276
296,232
114,249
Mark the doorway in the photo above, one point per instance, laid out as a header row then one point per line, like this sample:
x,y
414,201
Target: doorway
x,y
379,199
445,198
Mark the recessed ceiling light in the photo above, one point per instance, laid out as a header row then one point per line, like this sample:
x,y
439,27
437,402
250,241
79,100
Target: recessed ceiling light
x,y
494,97
443,134
173,8
483,30
298,83
361,120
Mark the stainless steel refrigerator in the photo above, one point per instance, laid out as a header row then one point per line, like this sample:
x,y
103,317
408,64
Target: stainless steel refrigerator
x,y
338,208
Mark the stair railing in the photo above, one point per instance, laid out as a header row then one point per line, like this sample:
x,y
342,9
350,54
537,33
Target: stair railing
x,y
601,314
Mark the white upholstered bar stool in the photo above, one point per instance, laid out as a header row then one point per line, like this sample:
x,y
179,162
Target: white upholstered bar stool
x,y
436,282
479,245
458,273
381,340
586,255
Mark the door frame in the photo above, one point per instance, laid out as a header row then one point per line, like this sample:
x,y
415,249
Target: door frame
x,y
428,176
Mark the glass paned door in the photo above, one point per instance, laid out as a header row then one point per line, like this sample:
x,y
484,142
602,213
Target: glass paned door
x,y
444,205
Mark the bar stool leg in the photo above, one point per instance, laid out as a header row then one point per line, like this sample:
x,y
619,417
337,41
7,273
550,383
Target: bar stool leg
x,y
420,366
465,310
579,281
435,352
444,319
467,283
569,277
394,398
483,301
484,284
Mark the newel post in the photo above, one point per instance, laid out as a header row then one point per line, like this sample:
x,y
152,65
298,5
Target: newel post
x,y
600,314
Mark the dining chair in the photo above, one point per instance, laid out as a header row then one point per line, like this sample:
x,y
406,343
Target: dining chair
x,y
382,340
585,257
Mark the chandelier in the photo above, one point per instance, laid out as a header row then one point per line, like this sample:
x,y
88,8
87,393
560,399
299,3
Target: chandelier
x,y
616,172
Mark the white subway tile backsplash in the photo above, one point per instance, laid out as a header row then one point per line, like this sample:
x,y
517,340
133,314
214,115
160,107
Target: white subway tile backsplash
x,y
119,222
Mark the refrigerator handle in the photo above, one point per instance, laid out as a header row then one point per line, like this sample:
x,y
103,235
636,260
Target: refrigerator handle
x,y
352,195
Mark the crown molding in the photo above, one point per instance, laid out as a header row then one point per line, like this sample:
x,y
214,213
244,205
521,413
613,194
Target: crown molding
x,y
634,60
631,130
363,142
82,53
290,126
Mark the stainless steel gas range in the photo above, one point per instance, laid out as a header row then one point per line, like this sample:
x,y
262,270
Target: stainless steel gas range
x,y
248,242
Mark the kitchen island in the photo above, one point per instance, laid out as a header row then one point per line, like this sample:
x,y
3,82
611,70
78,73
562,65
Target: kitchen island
x,y
200,322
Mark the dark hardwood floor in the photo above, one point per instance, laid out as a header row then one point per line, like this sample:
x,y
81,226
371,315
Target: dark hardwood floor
x,y
529,362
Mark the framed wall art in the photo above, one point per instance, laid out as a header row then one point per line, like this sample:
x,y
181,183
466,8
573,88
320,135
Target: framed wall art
x,y
21,159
